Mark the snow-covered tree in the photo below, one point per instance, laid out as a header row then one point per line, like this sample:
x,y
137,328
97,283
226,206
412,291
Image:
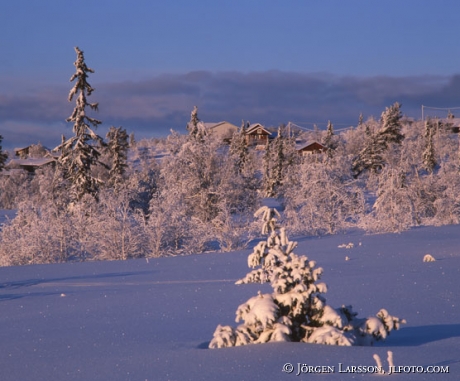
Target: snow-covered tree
x,y
233,231
296,310
117,227
38,234
394,209
159,228
278,157
195,127
277,168
373,156
428,157
239,148
447,198
3,155
132,140
117,148
79,153
330,140
319,199
12,190
391,124
370,158
267,181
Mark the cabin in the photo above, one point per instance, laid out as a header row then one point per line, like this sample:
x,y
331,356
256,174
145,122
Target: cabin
x,y
257,135
447,124
310,148
22,152
223,130
30,165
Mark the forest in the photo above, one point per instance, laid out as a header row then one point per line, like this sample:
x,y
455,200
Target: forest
x,y
116,198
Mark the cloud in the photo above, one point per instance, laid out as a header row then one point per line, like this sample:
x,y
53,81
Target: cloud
x,y
153,106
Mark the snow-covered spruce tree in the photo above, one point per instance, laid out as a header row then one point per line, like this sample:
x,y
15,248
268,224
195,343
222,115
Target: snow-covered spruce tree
x,y
132,140
391,124
3,155
117,148
195,127
79,153
239,148
330,141
373,156
370,158
267,181
428,156
297,309
276,160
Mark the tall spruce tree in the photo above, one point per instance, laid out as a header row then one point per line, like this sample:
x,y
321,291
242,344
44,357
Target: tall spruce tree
x,y
80,153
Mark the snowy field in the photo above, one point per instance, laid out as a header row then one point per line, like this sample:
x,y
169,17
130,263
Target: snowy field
x,y
139,320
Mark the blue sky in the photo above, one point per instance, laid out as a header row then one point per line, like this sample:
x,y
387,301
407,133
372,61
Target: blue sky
x,y
264,61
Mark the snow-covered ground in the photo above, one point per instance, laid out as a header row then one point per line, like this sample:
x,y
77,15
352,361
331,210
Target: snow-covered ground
x,y
152,320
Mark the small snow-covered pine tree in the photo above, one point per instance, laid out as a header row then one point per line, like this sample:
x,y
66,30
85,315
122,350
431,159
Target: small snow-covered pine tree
x,y
297,309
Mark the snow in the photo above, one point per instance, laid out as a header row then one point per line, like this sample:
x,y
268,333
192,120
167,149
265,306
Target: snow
x,y
153,320
6,215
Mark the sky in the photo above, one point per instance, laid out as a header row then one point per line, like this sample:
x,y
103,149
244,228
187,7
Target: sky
x,y
270,62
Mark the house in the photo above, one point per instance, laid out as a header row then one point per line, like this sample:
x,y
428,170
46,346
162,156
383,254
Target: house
x,y
22,152
223,130
30,165
257,135
310,148
451,124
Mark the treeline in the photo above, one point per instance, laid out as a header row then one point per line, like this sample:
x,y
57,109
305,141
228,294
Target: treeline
x,y
193,199
192,193
114,198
